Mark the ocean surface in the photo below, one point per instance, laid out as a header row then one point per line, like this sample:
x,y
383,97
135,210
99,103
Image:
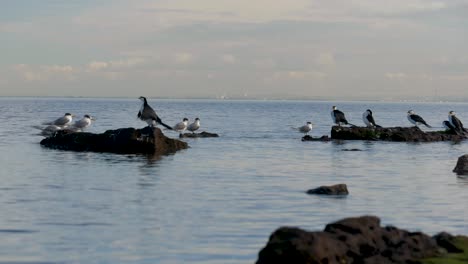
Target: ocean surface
x,y
219,200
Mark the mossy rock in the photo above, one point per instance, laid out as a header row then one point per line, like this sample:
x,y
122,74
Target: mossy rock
x,y
460,242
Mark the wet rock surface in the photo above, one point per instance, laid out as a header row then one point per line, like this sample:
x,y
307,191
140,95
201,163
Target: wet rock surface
x,y
337,189
399,134
353,240
124,140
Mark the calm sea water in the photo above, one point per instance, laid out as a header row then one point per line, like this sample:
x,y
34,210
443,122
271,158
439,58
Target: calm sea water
x,y
218,201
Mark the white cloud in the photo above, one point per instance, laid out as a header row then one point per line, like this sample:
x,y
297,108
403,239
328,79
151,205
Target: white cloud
x,y
32,73
326,59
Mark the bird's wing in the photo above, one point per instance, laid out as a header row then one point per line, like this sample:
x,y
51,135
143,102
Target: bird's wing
x,y
417,118
139,114
339,116
61,121
179,126
457,123
371,120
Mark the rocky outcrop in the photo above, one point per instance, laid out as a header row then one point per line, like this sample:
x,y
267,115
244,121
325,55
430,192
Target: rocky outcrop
x,y
124,140
462,165
352,240
337,189
203,134
401,134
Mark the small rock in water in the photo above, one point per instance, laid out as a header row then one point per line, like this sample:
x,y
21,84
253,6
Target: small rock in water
x,y
310,138
203,134
337,189
353,149
462,165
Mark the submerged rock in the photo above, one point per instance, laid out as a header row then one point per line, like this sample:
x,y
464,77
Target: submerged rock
x,y
401,134
337,189
124,140
353,240
203,134
310,138
462,165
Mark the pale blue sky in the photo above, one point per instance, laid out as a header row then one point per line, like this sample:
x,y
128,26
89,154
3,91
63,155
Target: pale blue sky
x,y
367,49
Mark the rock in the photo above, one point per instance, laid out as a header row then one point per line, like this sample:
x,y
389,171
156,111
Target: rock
x,y
124,140
462,165
337,189
447,241
310,138
401,134
198,135
353,149
351,240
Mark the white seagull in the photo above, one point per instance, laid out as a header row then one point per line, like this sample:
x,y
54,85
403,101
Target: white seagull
x,y
416,119
62,121
305,128
84,122
181,126
194,126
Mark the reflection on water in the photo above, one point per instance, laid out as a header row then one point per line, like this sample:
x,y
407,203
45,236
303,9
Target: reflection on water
x,y
218,201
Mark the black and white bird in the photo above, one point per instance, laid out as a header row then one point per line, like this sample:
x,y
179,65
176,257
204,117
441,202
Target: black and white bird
x,y
369,119
305,128
448,126
456,123
148,114
181,126
194,126
416,119
338,117
62,121
83,123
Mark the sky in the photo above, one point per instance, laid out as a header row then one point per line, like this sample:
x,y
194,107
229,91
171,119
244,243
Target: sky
x,y
260,49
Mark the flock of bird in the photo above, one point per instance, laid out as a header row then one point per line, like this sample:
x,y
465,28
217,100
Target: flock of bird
x,y
338,117
148,115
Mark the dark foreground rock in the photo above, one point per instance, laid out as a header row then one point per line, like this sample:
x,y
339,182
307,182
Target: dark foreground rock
x,y
337,189
124,140
310,138
203,134
401,134
352,240
462,165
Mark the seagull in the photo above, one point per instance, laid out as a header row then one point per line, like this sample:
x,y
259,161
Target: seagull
x,y
415,119
369,119
84,122
455,122
338,117
148,115
194,126
181,126
62,121
305,128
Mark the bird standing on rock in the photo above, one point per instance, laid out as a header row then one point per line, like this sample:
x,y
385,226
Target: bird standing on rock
x,y
148,115
181,126
416,119
84,122
456,123
305,128
369,119
338,117
62,121
194,126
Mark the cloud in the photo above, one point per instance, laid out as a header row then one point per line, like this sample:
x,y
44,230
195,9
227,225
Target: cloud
x,y
32,73
326,59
